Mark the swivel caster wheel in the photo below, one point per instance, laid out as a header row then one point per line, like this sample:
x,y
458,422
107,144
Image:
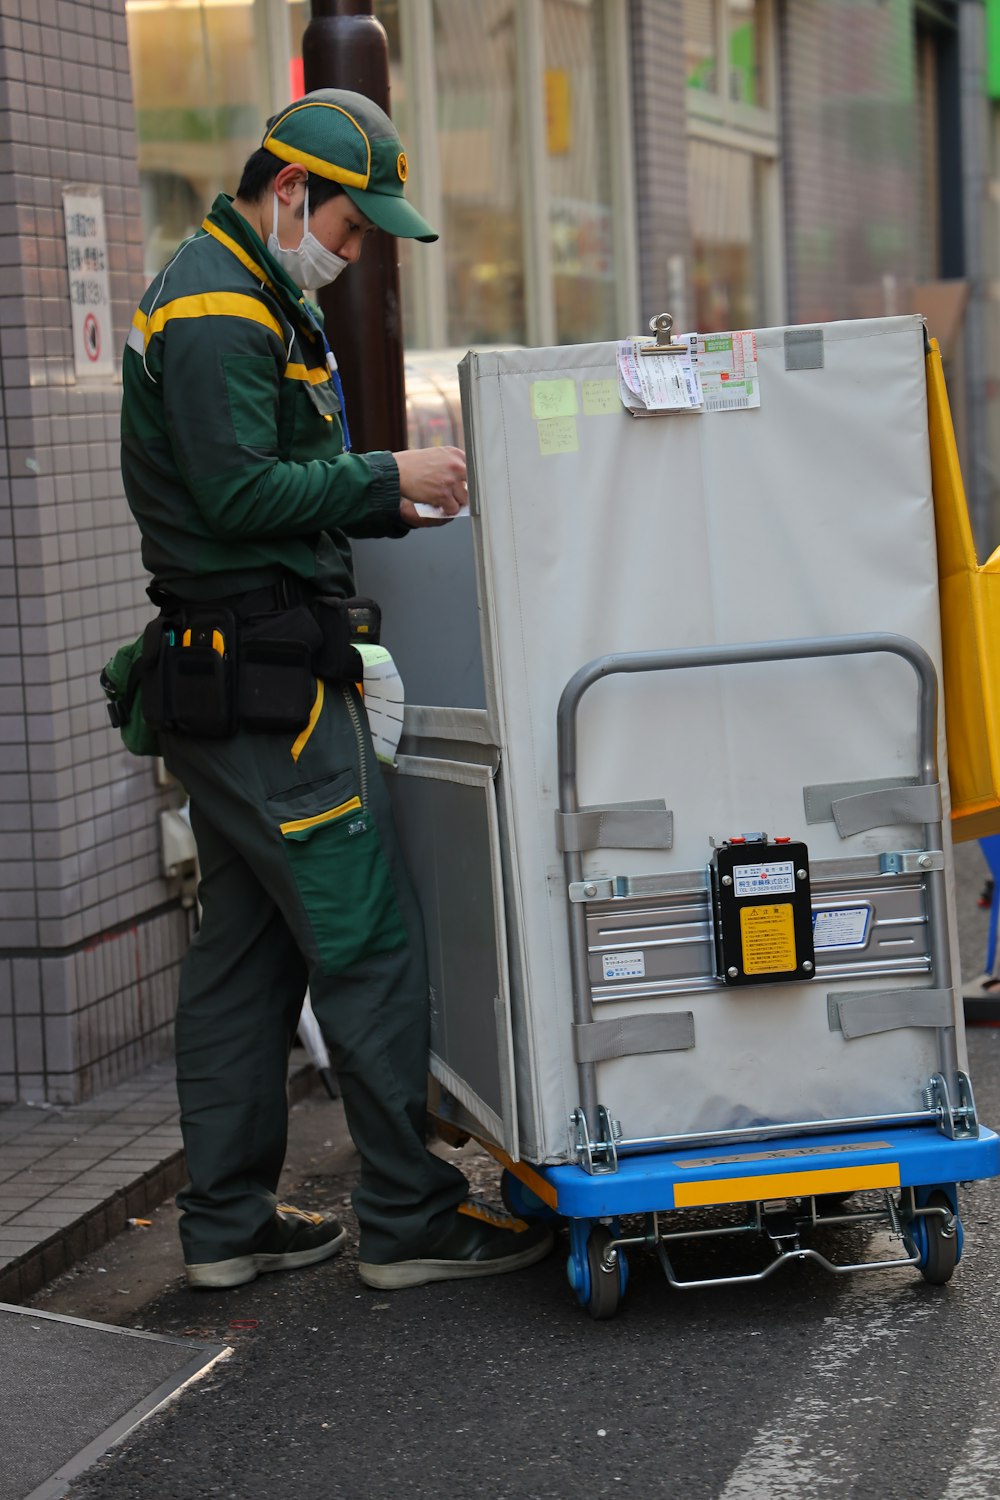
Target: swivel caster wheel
x,y
607,1273
598,1273
938,1240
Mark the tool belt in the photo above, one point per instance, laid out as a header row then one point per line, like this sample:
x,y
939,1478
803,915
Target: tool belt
x,y
250,661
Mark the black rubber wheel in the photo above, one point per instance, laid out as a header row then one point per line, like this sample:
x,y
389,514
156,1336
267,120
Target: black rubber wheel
x,y
942,1247
605,1285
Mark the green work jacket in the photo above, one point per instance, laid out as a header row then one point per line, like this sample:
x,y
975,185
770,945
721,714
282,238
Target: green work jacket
x,y
232,447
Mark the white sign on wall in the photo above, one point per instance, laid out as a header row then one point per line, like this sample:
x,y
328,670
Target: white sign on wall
x,y
89,295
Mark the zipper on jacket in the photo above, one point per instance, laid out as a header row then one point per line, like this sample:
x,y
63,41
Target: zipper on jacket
x,y
352,709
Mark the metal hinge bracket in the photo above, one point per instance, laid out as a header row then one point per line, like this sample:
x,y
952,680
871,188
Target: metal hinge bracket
x,y
956,1121
601,1155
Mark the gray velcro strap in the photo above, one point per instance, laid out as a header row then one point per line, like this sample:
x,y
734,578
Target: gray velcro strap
x,y
819,800
899,804
867,1012
803,348
618,825
598,1041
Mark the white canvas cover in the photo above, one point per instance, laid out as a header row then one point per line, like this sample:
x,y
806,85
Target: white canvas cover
x,y
809,516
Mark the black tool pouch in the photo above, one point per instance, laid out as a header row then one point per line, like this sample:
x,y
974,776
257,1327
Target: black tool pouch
x,y
277,683
195,675
336,659
156,642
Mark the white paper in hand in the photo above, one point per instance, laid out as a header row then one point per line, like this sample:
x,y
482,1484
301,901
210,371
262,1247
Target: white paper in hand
x,y
436,511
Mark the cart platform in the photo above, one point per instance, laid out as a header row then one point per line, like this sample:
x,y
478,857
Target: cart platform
x,y
796,1167
908,1176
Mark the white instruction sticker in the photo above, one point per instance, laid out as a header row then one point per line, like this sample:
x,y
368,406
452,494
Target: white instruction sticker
x,y
847,927
624,965
764,880
726,366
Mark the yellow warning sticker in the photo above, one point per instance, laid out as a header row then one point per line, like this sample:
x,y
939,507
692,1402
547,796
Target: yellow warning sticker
x,y
768,934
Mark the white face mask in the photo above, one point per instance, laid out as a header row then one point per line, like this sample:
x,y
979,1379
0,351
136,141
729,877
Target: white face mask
x,y
310,264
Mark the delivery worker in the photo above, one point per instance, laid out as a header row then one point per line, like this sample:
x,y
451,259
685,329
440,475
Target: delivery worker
x,y
235,466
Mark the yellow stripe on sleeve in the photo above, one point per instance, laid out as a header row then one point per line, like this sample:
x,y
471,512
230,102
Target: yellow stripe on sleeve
x,y
213,305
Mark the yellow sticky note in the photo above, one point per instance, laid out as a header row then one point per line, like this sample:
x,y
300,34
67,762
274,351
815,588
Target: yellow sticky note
x,y
600,398
553,398
557,435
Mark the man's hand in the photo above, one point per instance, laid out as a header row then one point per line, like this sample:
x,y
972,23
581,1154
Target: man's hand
x,y
431,476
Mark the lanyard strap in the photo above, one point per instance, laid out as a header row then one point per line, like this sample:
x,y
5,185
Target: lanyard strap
x,y
338,387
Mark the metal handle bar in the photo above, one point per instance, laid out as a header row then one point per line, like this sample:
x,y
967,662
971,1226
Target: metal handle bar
x,y
728,656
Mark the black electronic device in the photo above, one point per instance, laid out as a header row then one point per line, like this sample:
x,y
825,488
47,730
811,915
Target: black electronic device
x,y
762,910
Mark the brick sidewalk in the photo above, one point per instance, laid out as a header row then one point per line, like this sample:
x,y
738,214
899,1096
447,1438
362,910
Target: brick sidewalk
x,y
71,1176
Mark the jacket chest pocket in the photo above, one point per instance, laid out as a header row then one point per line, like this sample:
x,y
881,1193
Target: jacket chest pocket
x,y
313,427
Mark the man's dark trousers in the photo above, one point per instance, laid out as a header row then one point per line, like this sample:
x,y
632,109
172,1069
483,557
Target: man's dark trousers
x,y
301,883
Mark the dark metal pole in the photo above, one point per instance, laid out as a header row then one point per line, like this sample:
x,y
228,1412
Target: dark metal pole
x,y
345,47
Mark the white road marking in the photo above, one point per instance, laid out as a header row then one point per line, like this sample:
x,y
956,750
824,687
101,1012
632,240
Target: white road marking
x,y
803,1450
976,1475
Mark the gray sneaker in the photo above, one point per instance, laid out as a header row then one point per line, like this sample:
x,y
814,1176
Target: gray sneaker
x,y
480,1241
294,1239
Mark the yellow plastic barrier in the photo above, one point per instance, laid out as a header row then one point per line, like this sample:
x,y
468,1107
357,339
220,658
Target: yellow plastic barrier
x,y
970,628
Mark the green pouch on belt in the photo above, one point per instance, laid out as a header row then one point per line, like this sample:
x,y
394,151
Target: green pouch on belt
x,y
120,680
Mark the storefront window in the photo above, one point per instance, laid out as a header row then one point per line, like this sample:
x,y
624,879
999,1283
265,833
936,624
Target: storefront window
x,y
734,194
198,110
481,228
207,73
737,27
701,45
582,247
724,195
743,53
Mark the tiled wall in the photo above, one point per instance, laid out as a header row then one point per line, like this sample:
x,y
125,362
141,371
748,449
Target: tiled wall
x,y
90,938
851,147
660,134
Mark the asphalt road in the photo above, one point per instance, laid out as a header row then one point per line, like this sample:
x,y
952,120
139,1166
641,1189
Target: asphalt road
x,y
804,1385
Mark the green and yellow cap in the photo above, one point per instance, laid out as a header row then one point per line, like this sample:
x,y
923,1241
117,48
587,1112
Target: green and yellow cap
x,y
346,138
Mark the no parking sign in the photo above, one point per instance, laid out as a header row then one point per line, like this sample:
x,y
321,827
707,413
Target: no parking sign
x,y
90,300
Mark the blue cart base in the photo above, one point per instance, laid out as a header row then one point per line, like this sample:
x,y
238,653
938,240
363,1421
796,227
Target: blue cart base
x,y
909,1177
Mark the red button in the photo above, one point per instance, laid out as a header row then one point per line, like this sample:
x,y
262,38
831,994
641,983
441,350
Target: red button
x,y
785,840
738,841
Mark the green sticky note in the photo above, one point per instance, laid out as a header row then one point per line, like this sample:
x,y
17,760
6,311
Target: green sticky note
x,y
557,435
553,398
600,397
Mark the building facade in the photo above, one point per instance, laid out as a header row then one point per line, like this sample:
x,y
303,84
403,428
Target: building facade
x,y
588,162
